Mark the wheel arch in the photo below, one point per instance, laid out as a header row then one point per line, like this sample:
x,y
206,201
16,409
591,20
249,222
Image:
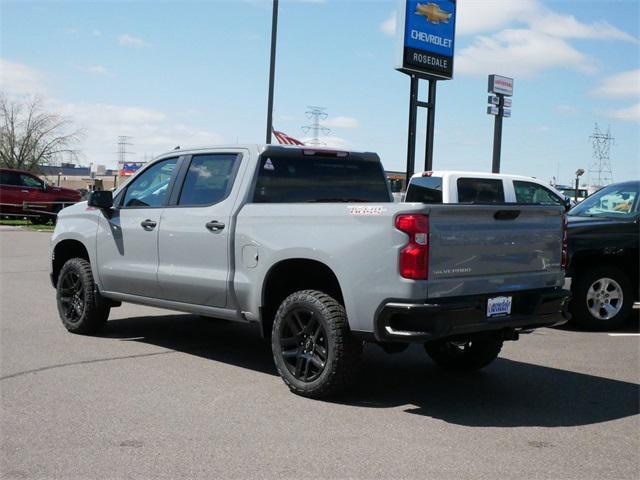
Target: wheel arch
x,y
62,252
587,259
290,275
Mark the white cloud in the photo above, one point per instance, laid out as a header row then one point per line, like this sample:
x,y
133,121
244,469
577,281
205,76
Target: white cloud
x,y
153,131
475,16
341,122
519,52
388,27
631,114
525,37
97,70
567,26
624,84
127,40
19,79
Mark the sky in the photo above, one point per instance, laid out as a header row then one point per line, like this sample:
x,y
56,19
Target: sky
x,y
193,73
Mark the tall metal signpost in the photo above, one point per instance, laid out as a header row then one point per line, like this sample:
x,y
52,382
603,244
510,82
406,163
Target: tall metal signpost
x,y
426,30
501,90
272,69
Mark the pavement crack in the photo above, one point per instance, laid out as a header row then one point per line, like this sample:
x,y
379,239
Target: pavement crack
x,y
83,362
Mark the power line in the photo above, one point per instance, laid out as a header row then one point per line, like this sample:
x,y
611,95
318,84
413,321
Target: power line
x,y
316,115
600,173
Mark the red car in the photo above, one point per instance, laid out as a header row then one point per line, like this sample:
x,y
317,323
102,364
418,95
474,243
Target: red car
x,y
18,187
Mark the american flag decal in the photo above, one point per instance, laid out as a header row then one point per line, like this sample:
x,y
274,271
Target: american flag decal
x,y
285,139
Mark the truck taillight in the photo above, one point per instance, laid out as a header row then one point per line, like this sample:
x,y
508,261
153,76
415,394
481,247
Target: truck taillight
x,y
565,243
414,257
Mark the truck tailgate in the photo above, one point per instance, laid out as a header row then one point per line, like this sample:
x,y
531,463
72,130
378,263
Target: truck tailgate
x,y
477,249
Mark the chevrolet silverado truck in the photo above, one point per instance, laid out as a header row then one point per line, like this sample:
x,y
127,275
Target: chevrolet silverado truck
x,y
308,244
603,241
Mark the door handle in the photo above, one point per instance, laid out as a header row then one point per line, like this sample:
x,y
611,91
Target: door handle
x,y
506,214
148,224
214,226
24,191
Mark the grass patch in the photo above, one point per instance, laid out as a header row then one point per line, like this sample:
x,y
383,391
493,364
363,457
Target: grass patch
x,y
23,222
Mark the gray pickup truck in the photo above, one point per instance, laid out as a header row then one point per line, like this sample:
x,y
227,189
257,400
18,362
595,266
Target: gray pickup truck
x,y
308,244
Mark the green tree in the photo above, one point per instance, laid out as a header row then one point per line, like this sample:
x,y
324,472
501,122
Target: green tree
x,y
30,136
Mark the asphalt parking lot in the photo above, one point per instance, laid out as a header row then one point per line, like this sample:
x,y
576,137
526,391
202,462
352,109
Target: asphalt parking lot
x,y
167,395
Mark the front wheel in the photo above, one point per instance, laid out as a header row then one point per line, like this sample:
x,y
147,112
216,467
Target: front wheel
x,y
601,298
462,356
76,298
312,345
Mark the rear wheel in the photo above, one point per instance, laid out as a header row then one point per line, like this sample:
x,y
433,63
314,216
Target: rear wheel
x,y
601,298
312,345
76,298
466,355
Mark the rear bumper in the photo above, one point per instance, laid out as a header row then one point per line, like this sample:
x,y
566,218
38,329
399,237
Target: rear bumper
x,y
459,316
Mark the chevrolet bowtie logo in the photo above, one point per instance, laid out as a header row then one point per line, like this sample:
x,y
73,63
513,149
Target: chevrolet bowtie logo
x,y
433,13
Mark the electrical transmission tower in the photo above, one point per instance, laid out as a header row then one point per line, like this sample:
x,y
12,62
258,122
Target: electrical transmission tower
x,y
600,173
316,115
123,142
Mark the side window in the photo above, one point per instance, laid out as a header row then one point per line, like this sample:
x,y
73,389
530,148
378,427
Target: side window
x,y
480,190
533,193
9,178
209,179
29,181
425,190
151,187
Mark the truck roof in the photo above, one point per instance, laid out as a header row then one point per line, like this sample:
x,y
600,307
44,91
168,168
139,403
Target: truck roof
x,y
259,147
444,173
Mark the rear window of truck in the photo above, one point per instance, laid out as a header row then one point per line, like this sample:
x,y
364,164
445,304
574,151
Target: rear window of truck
x,y
425,190
299,179
480,190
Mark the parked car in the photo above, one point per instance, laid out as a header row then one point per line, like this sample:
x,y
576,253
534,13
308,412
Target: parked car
x,y
570,192
308,245
18,187
604,234
478,187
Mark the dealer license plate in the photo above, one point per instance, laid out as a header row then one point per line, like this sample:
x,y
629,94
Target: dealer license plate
x,y
498,306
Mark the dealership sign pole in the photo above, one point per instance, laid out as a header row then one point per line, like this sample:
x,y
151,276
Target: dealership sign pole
x,y
426,32
272,69
501,90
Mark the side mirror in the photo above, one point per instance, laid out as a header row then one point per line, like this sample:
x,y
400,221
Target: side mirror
x,y
567,203
102,199
45,186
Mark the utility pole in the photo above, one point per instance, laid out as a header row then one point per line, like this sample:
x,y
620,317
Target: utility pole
x,y
272,69
600,173
316,114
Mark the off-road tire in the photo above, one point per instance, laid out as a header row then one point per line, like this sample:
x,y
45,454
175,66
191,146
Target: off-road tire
x,y
476,354
582,281
90,316
343,351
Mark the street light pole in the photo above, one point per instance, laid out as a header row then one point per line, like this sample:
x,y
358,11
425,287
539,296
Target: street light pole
x,y
579,173
272,69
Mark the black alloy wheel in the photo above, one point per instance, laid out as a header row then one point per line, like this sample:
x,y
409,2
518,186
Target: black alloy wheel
x,y
72,298
79,305
313,348
303,343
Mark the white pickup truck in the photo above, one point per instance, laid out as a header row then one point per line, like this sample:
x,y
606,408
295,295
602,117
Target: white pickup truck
x,y
308,245
449,186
